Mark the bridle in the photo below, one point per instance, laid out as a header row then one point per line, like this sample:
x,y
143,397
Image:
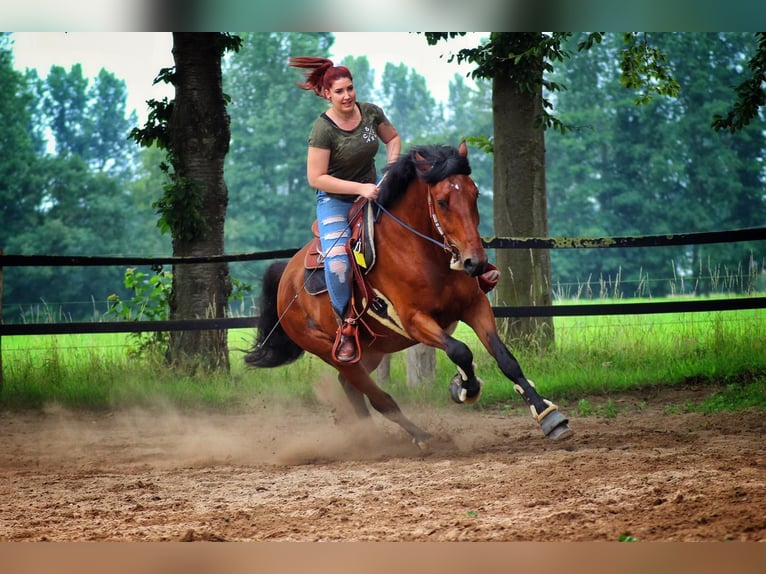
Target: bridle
x,y
456,263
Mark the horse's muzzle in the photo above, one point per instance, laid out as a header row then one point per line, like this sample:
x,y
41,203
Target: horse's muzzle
x,y
475,266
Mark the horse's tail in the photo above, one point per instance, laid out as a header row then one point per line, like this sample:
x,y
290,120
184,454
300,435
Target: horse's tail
x,y
272,346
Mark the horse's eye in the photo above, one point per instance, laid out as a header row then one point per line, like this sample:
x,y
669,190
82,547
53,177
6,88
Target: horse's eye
x,y
441,203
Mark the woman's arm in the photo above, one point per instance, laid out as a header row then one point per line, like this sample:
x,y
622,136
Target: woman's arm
x,y
389,136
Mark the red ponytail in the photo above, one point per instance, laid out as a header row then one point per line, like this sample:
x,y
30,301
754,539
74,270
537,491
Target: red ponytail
x,y
320,73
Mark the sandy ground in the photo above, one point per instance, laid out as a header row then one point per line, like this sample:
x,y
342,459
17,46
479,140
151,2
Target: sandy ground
x,y
292,474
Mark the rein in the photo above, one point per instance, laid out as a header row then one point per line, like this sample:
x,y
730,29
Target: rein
x,y
406,226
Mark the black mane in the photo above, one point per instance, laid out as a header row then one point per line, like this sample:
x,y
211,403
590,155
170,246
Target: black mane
x,y
443,161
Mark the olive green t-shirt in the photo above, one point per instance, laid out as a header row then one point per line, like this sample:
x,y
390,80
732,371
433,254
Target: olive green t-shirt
x,y
352,152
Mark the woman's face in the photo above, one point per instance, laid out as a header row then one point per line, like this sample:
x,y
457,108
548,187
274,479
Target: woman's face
x,y
341,95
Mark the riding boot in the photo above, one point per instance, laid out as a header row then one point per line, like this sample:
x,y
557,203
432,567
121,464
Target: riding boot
x,y
345,347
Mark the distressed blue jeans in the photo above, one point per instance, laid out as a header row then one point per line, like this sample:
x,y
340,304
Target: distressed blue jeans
x,y
334,231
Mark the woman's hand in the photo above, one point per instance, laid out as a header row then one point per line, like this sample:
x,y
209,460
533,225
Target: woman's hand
x,y
368,190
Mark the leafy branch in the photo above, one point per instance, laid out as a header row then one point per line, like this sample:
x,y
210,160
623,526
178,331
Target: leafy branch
x,y
750,93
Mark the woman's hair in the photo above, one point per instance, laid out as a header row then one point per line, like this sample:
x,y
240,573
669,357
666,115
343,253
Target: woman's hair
x,y
320,73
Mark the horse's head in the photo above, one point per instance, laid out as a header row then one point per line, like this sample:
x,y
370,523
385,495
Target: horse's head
x,y
452,200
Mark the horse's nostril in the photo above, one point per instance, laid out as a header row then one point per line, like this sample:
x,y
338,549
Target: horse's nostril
x,y
474,267
470,267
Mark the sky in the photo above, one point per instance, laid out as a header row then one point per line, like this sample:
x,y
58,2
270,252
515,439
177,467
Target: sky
x,y
137,57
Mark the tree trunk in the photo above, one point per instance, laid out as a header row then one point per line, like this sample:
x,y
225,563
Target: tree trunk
x,y
199,140
520,208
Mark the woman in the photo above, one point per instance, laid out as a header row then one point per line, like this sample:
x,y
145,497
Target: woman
x,y
341,167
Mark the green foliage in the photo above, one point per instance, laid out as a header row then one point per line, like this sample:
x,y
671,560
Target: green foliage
x,y
645,68
409,105
66,196
150,302
179,209
751,96
523,57
89,121
270,203
22,185
654,169
619,170
483,142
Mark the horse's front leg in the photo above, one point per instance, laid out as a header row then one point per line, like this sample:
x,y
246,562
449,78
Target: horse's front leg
x,y
553,423
465,387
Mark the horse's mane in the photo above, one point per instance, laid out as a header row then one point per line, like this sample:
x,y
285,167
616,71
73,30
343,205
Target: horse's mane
x,y
438,162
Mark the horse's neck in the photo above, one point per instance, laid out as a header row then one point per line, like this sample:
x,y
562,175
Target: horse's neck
x,y
413,212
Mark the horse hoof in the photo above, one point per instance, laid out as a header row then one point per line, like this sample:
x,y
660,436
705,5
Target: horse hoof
x,y
459,394
422,442
556,427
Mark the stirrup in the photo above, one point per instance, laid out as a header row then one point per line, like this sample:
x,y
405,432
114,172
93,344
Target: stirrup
x,y
347,332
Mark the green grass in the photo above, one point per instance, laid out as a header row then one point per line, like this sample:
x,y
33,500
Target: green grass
x,y
592,357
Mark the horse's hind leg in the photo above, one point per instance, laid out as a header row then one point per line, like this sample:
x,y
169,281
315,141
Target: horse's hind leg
x,y
355,397
382,402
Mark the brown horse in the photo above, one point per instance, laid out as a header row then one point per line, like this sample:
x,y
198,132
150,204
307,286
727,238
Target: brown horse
x,y
428,255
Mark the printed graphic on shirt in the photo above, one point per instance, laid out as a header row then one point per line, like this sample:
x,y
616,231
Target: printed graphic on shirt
x,y
369,135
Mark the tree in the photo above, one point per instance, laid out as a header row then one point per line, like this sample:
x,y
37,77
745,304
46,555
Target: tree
x,y
66,102
108,147
90,121
469,117
55,203
20,191
198,134
79,213
408,104
653,169
51,204
515,63
520,66
195,131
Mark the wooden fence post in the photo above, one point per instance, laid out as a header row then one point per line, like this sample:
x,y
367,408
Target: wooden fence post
x,y
421,365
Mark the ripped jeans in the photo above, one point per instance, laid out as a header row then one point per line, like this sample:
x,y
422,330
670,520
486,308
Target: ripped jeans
x,y
334,231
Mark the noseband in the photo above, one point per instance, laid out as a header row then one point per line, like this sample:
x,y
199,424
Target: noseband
x,y
456,264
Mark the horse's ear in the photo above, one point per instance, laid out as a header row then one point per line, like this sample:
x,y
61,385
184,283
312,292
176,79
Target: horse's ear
x,y
463,149
421,163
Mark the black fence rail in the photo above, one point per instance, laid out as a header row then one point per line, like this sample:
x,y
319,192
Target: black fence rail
x,y
681,306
